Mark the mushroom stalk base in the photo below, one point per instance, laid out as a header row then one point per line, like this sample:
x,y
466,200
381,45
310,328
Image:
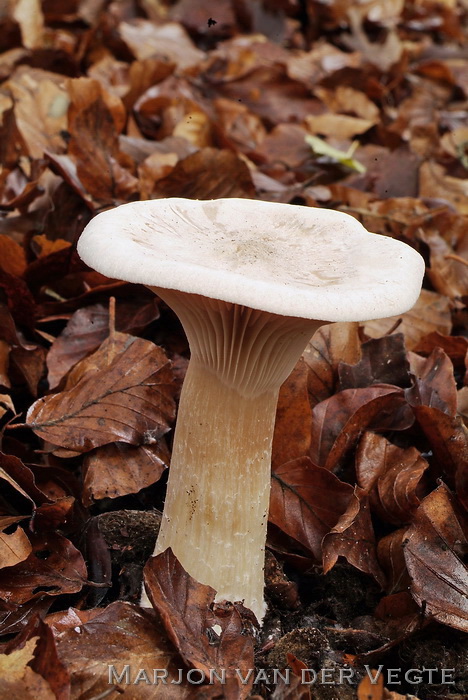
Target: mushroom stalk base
x,y
216,510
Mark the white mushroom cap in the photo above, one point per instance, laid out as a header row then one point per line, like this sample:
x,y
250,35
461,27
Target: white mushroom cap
x,y
289,260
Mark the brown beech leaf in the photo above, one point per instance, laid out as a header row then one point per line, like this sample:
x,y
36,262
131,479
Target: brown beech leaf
x,y
392,560
435,384
456,347
12,256
17,678
45,661
430,313
86,330
331,344
436,543
31,362
41,122
95,120
340,420
400,614
391,475
291,438
207,174
306,502
434,182
54,567
353,538
120,636
383,362
129,400
14,547
447,437
170,41
191,623
119,469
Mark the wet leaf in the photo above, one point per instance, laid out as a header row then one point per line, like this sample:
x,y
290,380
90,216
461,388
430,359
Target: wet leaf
x,y
130,400
433,553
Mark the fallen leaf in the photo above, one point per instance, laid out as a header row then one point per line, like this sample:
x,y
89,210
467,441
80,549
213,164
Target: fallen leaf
x,y
390,552
447,438
434,384
45,246
14,547
17,678
12,256
371,689
130,400
338,421
100,650
434,182
118,469
206,637
345,158
207,174
430,313
169,41
340,126
291,437
45,661
41,103
87,329
353,538
435,546
306,502
94,122
54,567
456,347
331,344
391,475
383,361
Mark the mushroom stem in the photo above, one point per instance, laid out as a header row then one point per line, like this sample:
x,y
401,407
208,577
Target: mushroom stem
x,y
216,508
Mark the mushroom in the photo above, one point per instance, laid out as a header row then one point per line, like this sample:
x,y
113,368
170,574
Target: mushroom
x,y
251,281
